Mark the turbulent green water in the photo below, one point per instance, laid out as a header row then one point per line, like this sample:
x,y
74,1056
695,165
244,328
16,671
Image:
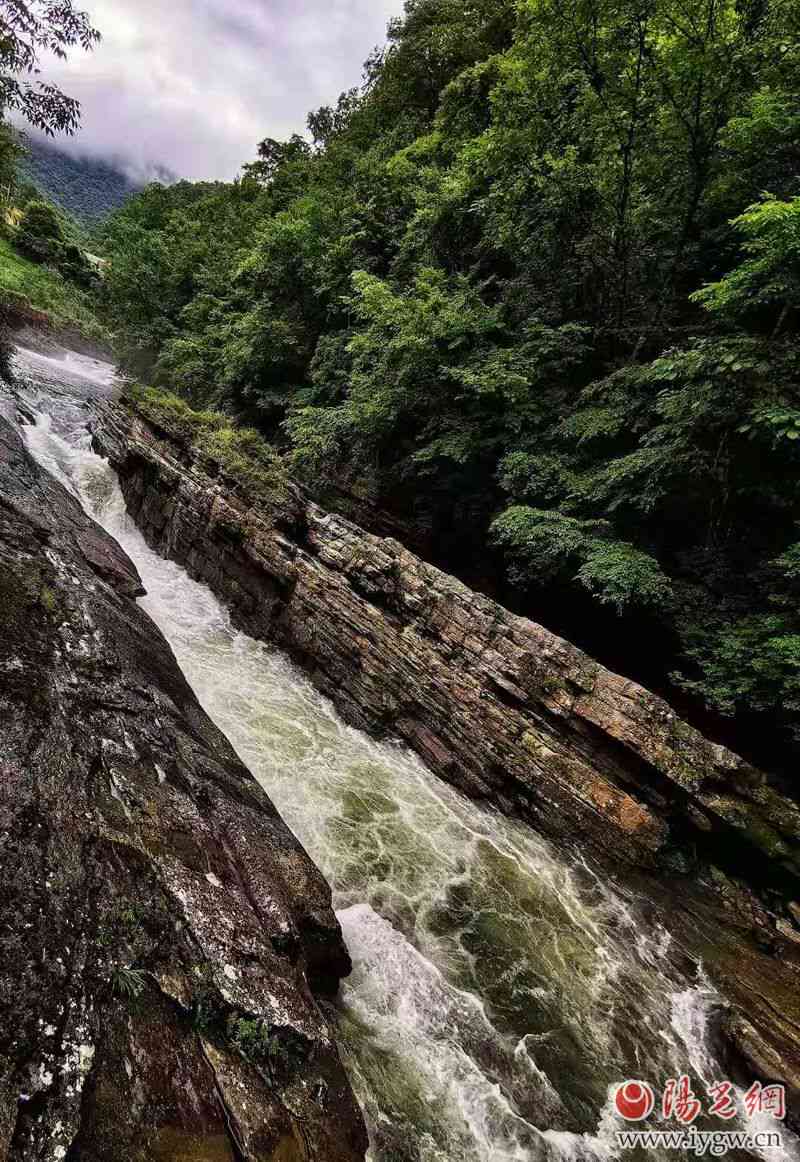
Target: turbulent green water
x,y
499,990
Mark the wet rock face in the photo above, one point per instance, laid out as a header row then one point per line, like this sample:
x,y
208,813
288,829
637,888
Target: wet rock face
x,y
163,936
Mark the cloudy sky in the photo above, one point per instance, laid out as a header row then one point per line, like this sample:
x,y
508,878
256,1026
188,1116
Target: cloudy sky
x,y
193,85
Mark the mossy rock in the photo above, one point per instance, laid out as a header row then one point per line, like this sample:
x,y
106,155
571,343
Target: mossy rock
x,y
241,456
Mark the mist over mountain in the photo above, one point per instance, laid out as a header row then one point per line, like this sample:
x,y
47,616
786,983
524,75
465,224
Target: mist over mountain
x,y
89,188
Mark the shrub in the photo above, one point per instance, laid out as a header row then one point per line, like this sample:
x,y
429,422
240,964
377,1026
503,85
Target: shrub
x,y
41,234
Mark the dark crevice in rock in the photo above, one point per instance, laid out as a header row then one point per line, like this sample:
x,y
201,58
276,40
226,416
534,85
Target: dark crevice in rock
x,y
232,1130
30,1110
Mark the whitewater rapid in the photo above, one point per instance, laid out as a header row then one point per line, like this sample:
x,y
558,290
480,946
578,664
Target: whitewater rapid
x,y
499,991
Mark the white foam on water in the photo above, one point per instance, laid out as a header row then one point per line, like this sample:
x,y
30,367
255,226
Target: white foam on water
x,y
499,992
68,368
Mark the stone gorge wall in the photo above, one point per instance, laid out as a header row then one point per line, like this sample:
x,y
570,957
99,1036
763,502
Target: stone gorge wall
x,y
162,933
505,710
492,702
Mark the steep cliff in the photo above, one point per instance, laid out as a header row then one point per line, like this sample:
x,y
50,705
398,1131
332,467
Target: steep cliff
x,y
164,939
503,709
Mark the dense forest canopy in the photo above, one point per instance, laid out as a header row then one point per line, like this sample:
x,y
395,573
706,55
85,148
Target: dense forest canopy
x,y
535,289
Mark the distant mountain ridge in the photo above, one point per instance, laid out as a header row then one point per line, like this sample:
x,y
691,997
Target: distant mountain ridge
x,y
87,188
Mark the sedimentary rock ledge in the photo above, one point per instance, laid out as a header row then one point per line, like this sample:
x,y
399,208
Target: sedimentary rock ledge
x,y
164,937
493,702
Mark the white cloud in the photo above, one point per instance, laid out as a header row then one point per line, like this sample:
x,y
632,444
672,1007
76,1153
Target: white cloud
x,y
193,85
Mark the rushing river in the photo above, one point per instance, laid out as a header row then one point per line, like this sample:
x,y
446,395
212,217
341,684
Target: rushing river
x,y
499,991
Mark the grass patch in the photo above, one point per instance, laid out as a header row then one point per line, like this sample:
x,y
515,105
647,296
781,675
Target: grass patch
x,y
127,983
277,1057
26,286
173,414
242,456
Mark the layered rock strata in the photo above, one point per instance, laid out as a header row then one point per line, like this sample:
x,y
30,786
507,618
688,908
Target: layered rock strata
x,y
492,702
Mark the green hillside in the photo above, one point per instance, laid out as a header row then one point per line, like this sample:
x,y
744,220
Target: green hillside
x,y
87,188
33,289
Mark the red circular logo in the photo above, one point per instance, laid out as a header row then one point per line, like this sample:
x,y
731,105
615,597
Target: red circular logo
x,y
634,1100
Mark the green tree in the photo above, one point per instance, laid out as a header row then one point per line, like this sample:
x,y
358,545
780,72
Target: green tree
x,y
767,283
29,30
41,233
